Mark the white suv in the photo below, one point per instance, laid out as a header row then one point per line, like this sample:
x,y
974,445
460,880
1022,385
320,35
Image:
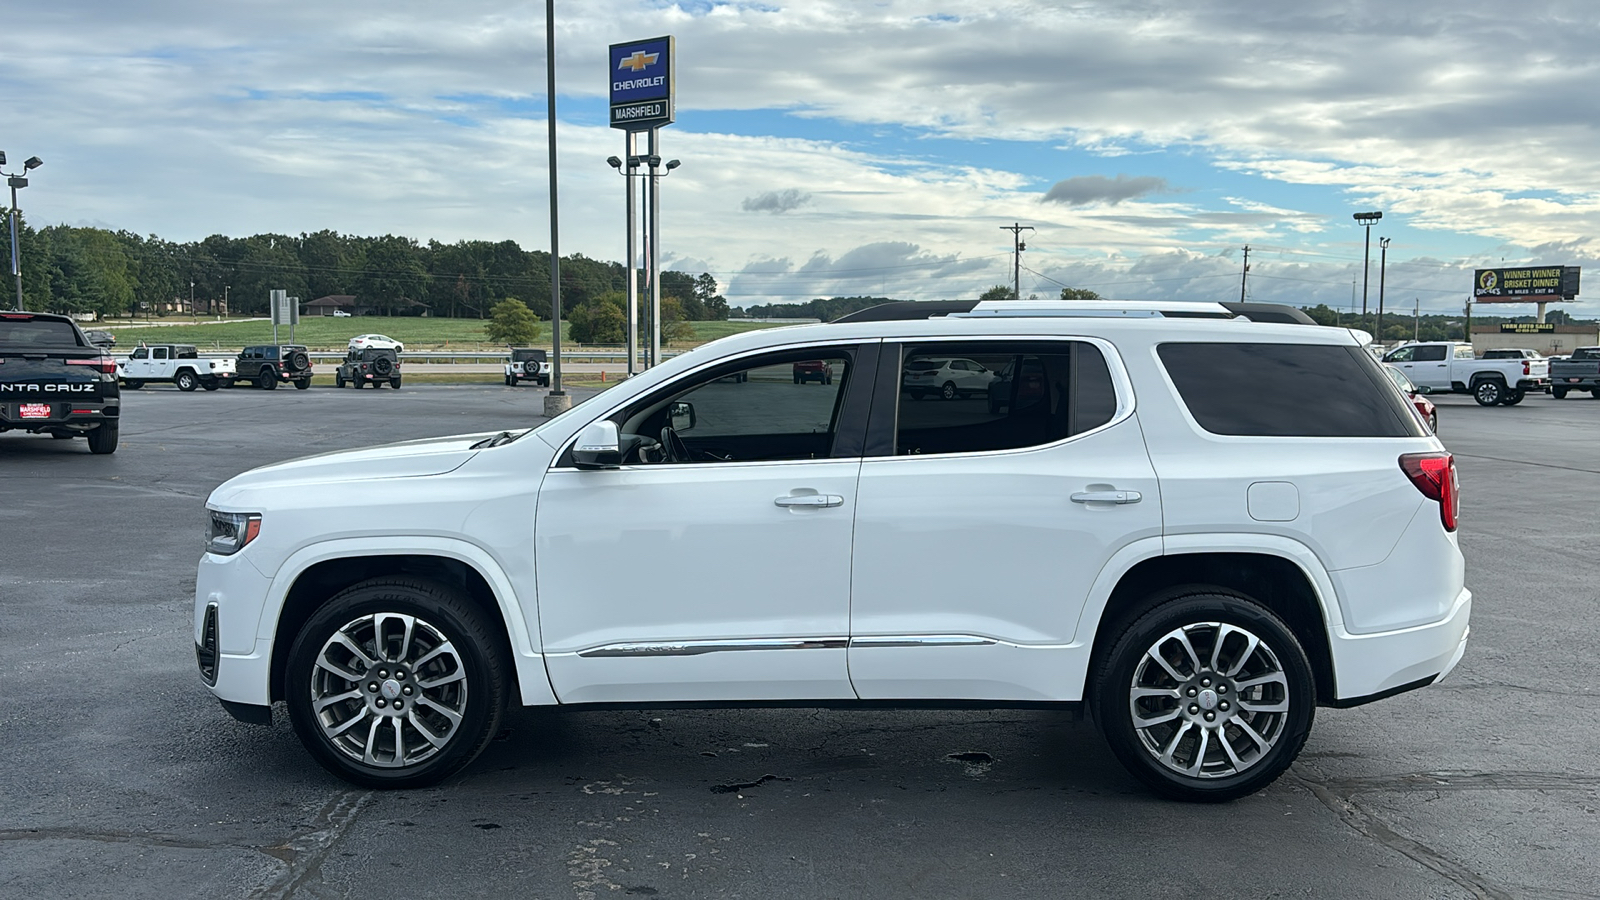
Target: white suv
x,y
1200,529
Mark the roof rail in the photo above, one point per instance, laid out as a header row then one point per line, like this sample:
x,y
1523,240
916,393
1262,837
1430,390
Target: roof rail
x,y
1098,309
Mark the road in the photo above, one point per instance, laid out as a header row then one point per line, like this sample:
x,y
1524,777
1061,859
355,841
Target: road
x,y
122,777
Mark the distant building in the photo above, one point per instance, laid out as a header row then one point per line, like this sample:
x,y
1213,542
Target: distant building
x,y
324,306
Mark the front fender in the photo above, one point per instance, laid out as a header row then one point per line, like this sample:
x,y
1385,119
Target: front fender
x,y
533,682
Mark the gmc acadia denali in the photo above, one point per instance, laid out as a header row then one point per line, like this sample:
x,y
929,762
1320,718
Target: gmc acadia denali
x,y
1195,526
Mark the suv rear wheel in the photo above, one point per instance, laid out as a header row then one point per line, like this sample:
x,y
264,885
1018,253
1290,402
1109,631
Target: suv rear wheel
x,y
186,381
103,440
1206,696
267,378
396,683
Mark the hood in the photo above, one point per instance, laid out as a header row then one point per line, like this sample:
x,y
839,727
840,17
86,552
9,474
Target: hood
x,y
408,459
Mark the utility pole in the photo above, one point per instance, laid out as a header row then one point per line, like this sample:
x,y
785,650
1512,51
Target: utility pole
x,y
1017,246
557,401
1416,318
1245,273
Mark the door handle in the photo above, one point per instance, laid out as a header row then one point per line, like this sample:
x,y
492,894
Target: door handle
x,y
819,501
1107,497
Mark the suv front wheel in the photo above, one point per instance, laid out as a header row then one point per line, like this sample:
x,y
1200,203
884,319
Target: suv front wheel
x,y
396,683
1206,696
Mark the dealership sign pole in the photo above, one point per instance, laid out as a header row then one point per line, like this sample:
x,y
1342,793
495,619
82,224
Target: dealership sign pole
x,y
642,81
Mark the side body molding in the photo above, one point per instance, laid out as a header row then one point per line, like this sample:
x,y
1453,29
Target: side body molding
x,y
533,682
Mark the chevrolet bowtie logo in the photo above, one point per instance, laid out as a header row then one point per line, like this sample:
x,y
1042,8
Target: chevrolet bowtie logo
x,y
639,60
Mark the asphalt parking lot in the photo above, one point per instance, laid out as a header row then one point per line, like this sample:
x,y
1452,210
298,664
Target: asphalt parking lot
x,y
121,776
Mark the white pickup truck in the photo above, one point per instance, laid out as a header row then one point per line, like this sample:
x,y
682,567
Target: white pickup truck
x,y
1444,367
180,364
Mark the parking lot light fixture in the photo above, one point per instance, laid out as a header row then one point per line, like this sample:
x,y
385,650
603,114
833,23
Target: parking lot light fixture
x,y
1366,218
15,182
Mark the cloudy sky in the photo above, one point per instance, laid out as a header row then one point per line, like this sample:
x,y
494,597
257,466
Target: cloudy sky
x,y
850,147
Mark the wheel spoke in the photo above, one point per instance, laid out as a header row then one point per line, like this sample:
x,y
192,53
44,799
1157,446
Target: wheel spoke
x,y
426,733
1269,678
1188,649
1200,752
399,743
447,712
1233,755
335,668
344,640
1142,721
1261,742
434,654
1172,745
1251,643
409,624
1279,706
326,702
372,739
430,683
1141,693
347,725
1155,654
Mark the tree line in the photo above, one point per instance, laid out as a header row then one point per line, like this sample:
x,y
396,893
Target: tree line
x,y
116,273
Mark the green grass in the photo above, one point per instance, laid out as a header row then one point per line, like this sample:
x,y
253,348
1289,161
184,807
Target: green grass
x,y
328,333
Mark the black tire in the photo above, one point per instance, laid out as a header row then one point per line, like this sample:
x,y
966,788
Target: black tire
x,y
103,440
382,366
1595,393
1488,392
949,391
133,384
210,384
186,381
797,379
363,613
1512,398
511,381
1560,393
1207,617
395,382
267,378
301,384
338,379
298,361
1433,421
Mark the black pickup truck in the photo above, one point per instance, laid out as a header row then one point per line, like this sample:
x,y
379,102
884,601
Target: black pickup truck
x,y
53,381
1578,372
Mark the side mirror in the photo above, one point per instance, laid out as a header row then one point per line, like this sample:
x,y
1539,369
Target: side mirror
x,y
681,414
598,446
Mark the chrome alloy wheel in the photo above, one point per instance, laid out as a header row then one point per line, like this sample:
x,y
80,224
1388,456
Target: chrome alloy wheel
x,y
389,690
1209,700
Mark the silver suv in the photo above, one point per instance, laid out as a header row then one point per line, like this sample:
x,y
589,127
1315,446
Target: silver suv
x,y
1195,526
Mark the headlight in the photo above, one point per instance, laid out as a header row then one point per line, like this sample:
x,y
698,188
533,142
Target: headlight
x,y
228,532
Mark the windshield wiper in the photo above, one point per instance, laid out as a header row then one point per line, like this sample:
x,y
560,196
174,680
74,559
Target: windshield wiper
x,y
504,437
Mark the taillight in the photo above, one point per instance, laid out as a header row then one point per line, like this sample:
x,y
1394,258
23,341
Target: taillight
x,y
1434,474
104,364
1526,370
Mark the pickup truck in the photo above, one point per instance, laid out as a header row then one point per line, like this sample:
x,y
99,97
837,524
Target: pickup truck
x,y
53,381
180,364
1443,367
1578,372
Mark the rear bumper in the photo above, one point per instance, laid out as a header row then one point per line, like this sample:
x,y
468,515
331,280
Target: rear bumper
x,y
1369,667
65,415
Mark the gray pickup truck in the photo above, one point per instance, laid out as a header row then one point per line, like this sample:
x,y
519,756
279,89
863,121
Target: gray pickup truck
x,y
1578,372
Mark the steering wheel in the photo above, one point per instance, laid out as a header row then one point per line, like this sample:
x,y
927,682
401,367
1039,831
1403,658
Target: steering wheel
x,y
673,447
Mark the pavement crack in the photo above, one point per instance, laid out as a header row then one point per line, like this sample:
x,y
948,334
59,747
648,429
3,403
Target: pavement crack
x,y
305,851
738,786
1339,797
140,838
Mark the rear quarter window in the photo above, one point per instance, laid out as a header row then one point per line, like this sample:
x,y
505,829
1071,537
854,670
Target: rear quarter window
x,y
1287,390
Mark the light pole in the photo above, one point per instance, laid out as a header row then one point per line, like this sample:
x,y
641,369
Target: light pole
x,y
652,242
1383,269
15,181
1366,218
633,253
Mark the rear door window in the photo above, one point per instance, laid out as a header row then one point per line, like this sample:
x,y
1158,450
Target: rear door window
x,y
1430,353
1287,390
999,395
